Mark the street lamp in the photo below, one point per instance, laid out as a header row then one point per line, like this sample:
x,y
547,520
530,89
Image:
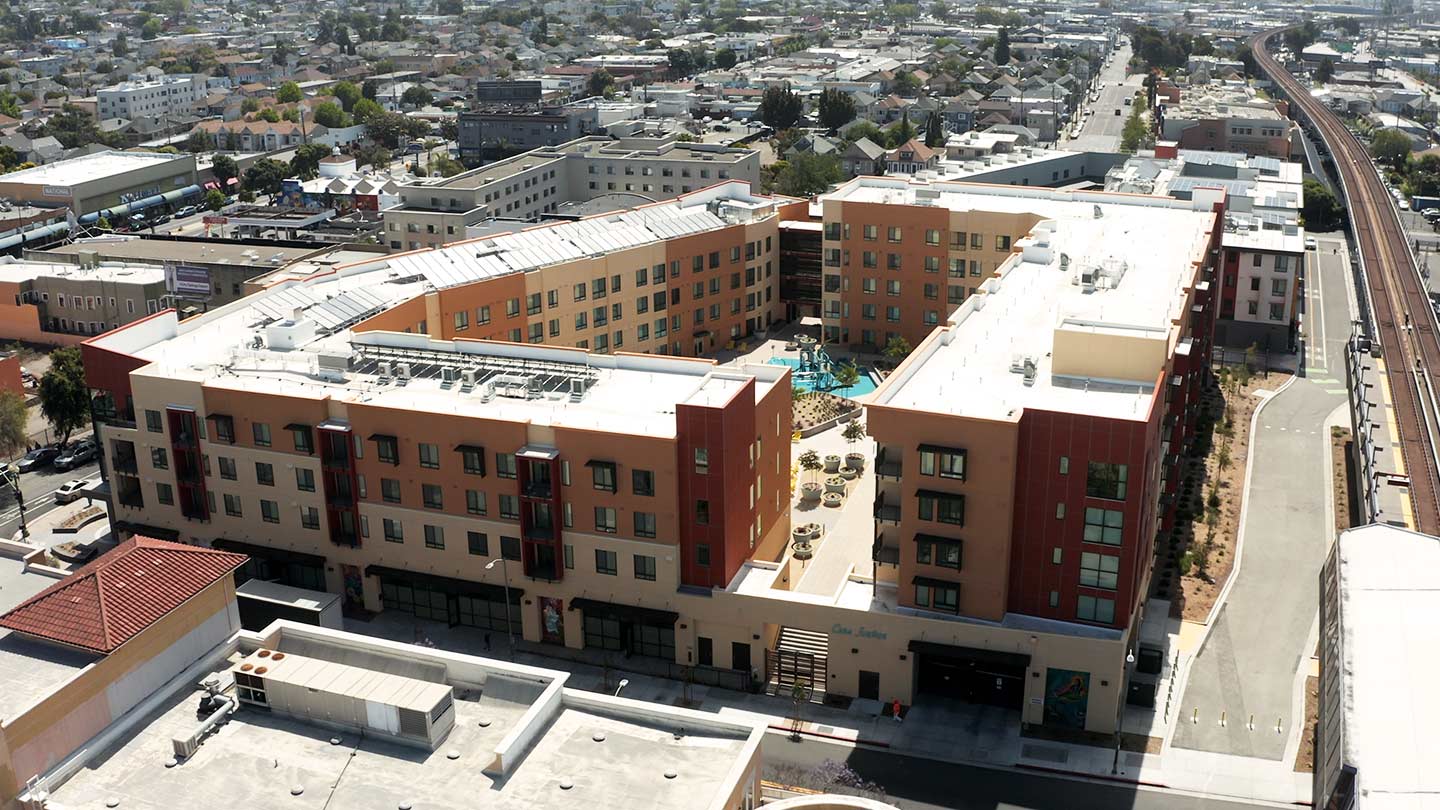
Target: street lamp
x,y
1120,710
509,628
624,682
12,474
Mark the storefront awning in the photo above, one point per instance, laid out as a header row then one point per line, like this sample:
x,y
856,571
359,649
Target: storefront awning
x,y
629,613
955,652
283,555
458,587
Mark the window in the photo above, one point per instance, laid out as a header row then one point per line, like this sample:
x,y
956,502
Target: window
x,y
870,233
510,507
159,459
642,482
952,464
164,494
942,507
300,434
932,236
645,567
1259,259
390,490
505,465
644,524
224,429
462,320
477,543
153,422
430,456
1002,243
1277,312
1106,481
394,531
893,234
482,315
269,511
605,562
472,460
232,505
1099,570
1064,465
305,479
475,502
702,461
512,307
702,554
261,433
434,537
702,512
1104,526
1094,609
947,599
605,519
264,474
1277,286
387,449
432,496
309,517
927,461
603,475
510,547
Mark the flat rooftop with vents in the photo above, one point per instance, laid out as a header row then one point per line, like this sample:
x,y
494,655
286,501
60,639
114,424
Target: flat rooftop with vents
x,y
520,740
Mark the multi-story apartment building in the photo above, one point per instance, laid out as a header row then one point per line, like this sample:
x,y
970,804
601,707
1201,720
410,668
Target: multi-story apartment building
x,y
535,184
1230,120
490,132
395,452
151,97
59,304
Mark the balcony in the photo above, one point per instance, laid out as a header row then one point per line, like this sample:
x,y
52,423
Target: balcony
x,y
543,534
537,489
887,468
126,464
340,500
887,513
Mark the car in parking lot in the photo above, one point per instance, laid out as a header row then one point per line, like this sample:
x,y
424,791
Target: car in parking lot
x,y
76,455
70,490
37,458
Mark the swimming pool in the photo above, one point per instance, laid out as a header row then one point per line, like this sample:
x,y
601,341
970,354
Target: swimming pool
x,y
865,385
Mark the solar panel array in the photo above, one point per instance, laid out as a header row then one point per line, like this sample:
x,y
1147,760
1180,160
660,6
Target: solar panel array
x,y
347,308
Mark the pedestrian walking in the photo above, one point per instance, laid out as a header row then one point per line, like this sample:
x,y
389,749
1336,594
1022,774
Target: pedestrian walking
x,y
487,642
895,708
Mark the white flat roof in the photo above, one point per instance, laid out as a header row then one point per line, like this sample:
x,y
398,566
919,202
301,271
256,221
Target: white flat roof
x,y
114,272
1150,242
1389,597
87,168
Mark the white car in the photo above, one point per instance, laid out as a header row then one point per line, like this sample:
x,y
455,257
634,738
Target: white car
x,y
70,490
1310,243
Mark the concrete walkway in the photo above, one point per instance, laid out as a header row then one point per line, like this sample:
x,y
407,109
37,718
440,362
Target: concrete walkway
x,y
1263,632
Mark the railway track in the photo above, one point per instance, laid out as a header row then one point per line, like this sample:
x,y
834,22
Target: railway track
x,y
1405,326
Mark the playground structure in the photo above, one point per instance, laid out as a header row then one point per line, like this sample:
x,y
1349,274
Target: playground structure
x,y
816,368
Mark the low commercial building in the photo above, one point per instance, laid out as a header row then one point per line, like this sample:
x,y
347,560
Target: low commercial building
x,y
115,184
535,184
1230,118
1378,590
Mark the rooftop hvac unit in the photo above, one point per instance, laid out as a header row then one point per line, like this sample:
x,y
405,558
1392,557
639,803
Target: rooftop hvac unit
x,y
448,376
467,380
402,371
347,697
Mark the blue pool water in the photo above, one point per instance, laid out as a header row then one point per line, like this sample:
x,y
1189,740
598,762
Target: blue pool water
x,y
865,385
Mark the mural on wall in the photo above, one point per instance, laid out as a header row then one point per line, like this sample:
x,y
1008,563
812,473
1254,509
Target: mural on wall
x,y
1067,694
354,586
552,620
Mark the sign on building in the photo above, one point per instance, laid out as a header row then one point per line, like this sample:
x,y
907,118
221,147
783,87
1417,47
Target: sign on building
x,y
187,281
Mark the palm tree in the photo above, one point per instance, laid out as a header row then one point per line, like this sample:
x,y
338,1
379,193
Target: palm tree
x,y
846,374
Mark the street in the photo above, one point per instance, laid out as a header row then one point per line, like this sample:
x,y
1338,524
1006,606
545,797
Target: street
x,y
914,783
38,487
1101,133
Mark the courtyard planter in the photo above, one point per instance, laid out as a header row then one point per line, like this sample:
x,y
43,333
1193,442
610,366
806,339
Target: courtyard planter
x,y
835,484
832,463
855,461
810,491
832,499
805,532
802,550
849,473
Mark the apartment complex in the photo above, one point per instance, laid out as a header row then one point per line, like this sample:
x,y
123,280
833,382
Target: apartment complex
x,y
498,131
401,445
1227,118
158,97
59,304
535,184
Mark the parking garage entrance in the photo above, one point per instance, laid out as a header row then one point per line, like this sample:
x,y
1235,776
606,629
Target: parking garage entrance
x,y
970,674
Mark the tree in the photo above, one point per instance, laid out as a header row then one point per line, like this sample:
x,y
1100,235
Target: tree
x,y
725,59
810,463
1136,134
151,29
807,174
416,96
896,348
601,83
214,199
198,141
64,395
846,374
121,45
780,108
446,166
935,131
453,8
289,93
365,110
906,84
347,94
682,64
269,114
836,108
854,432
901,132
306,163
329,114
868,130
450,130
265,176
1321,211
1325,71
13,420
1391,146
224,168
1002,47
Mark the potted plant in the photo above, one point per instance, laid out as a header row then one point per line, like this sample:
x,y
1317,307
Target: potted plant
x,y
853,433
810,463
832,462
835,484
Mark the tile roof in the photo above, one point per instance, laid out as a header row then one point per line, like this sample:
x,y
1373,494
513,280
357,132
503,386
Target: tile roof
x,y
113,599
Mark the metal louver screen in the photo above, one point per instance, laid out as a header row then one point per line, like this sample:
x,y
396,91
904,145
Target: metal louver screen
x,y
412,723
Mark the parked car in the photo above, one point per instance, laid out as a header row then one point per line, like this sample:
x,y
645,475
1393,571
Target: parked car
x,y
37,458
77,454
1430,214
1117,110
1310,243
70,490
186,211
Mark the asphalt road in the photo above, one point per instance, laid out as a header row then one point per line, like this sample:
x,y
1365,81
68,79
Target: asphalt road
x,y
1264,632
914,783
38,487
1102,132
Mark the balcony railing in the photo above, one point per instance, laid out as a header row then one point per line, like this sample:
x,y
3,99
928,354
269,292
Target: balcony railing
x,y
126,464
536,489
888,469
887,513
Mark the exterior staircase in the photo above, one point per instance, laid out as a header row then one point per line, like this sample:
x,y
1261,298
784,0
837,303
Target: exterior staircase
x,y
799,656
